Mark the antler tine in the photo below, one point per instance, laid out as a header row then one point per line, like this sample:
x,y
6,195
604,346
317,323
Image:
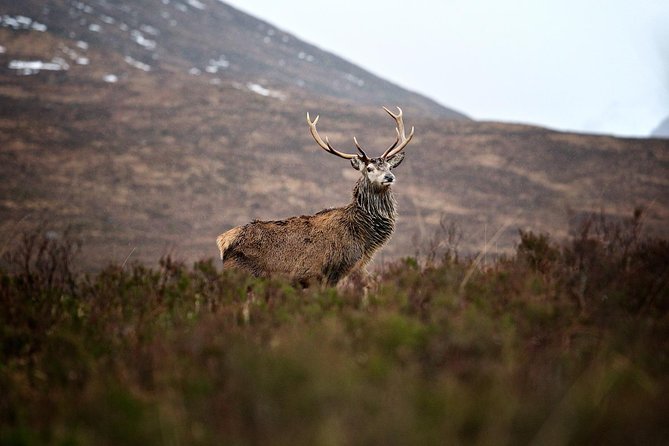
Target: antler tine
x,y
393,145
325,145
402,139
362,152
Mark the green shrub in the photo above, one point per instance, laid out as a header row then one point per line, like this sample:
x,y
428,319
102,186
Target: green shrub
x,y
560,343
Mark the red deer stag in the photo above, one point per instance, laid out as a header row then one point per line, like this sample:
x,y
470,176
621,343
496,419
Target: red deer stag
x,y
333,243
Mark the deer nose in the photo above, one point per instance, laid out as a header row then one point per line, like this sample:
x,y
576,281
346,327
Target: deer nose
x,y
389,178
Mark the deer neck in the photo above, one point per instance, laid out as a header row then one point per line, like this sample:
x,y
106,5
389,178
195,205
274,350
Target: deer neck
x,y
374,212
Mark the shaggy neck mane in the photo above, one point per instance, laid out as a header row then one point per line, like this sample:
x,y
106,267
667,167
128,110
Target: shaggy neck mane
x,y
373,213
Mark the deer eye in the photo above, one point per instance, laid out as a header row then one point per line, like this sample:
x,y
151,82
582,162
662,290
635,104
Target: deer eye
x,y
370,168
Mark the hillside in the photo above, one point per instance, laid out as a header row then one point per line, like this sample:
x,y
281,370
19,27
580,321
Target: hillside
x,y
204,39
151,127
662,129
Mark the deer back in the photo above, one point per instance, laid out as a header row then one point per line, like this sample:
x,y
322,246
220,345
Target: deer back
x,y
320,247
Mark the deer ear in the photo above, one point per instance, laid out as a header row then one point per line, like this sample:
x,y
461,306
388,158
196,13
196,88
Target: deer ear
x,y
396,160
357,163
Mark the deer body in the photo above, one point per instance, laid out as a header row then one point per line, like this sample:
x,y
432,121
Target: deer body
x,y
331,244
323,247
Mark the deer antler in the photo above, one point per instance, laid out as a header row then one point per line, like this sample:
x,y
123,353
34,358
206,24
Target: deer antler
x,y
328,147
400,142
362,152
402,139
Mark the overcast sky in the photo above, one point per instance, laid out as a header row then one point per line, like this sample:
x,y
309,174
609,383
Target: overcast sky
x,y
585,65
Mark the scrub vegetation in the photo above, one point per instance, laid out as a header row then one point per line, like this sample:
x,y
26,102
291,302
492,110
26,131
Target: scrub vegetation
x,y
558,343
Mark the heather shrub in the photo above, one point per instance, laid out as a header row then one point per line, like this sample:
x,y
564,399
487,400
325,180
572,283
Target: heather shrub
x,y
563,342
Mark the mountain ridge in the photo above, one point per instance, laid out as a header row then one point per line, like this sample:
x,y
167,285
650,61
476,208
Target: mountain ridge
x,y
662,129
189,37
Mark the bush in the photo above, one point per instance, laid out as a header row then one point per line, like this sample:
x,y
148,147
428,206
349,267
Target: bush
x,y
561,343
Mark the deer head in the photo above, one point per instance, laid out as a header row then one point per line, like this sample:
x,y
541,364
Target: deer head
x,y
376,170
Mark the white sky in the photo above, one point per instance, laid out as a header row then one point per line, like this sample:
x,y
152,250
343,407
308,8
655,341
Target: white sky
x,y
590,65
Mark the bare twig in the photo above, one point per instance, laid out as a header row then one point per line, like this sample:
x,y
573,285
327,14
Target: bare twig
x,y
479,257
126,259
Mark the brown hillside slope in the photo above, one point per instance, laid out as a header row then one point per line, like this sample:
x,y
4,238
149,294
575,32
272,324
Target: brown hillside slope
x,y
163,160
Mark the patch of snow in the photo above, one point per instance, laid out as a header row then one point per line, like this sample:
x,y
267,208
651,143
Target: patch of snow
x,y
139,38
267,39
262,91
216,64
194,71
258,89
166,2
21,22
149,30
181,7
81,6
3,50
73,55
68,51
270,32
354,80
82,45
285,39
137,64
60,61
108,20
94,27
196,4
41,27
29,67
165,14
304,56
123,27
110,78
